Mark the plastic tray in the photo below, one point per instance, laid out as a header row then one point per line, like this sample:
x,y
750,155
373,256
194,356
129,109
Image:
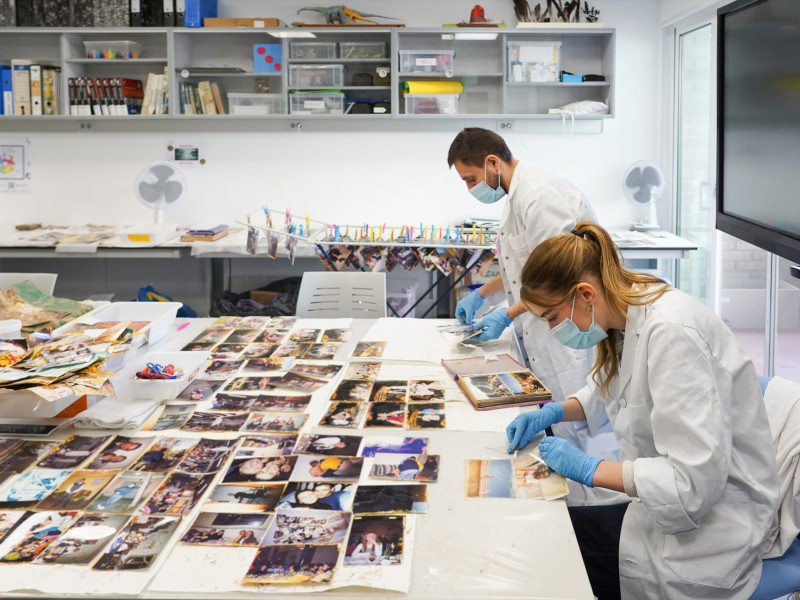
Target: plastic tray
x,y
159,314
127,387
113,49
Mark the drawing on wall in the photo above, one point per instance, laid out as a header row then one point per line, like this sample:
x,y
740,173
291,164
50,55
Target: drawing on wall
x,y
15,164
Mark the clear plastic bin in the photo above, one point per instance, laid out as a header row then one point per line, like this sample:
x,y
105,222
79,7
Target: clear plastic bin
x,y
256,104
312,50
431,104
113,49
128,387
303,76
427,61
316,103
534,62
362,50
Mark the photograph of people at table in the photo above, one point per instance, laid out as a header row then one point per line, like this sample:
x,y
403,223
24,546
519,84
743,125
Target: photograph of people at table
x,y
538,205
697,457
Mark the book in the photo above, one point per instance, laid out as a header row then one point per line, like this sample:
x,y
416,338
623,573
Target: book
x,y
217,98
21,83
207,98
500,383
205,235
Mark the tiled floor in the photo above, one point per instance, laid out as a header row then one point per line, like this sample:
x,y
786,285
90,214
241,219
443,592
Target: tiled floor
x,y
787,351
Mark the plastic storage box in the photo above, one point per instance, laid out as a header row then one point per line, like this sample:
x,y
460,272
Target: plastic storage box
x,y
431,104
256,104
159,316
128,387
316,103
113,49
312,50
534,62
362,50
427,61
328,76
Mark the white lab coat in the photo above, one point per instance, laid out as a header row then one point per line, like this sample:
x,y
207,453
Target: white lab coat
x,y
687,409
540,206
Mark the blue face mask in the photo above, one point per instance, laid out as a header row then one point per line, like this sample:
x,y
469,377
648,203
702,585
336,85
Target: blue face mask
x,y
485,193
569,334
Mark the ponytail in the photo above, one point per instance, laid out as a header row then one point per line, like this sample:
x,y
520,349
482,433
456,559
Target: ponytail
x,y
556,266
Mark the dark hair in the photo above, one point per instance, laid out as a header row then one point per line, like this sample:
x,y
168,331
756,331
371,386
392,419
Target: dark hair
x,y
472,145
555,268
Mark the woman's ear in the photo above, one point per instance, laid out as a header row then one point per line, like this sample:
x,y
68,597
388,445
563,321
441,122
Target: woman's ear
x,y
587,293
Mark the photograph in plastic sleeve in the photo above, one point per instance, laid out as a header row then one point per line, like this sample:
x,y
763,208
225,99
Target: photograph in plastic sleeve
x,y
331,445
272,444
227,351
83,541
232,402
256,366
425,416
168,416
213,336
77,490
272,335
375,540
336,335
207,456
227,529
9,518
316,371
362,370
31,487
489,479
534,479
275,422
72,452
344,414
255,470
259,350
177,495
404,257
293,564
425,390
138,544
318,495
22,456
198,347
250,384
33,535
310,467
303,526
127,492
320,352
353,390
12,352
386,414
305,335
406,445
272,403
223,368
254,322
369,349
386,499
405,467
164,454
291,349
8,445
300,383
120,453
215,421
200,389
244,498
389,391
242,336
225,322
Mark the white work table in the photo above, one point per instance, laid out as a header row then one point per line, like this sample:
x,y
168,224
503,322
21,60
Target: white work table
x,y
465,548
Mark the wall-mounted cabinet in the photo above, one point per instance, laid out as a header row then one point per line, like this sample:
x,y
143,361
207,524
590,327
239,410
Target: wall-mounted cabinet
x,y
372,73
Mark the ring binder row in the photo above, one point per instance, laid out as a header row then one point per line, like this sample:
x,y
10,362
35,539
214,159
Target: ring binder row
x,y
105,13
29,89
106,96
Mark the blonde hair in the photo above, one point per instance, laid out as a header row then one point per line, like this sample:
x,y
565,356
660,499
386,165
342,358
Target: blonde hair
x,y
556,266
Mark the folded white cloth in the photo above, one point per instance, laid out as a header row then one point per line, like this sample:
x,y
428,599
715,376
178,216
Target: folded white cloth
x,y
114,413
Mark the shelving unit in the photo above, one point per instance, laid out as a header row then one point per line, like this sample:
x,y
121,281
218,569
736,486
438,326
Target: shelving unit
x,y
480,65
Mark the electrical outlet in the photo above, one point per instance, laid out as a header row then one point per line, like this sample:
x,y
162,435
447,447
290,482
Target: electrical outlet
x,y
505,126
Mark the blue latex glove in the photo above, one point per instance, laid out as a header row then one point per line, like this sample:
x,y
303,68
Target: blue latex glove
x,y
468,306
525,426
564,458
493,325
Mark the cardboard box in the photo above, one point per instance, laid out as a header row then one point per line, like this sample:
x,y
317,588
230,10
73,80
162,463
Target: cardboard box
x,y
262,22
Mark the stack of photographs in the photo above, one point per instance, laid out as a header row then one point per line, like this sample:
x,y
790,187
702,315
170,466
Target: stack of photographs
x,y
526,476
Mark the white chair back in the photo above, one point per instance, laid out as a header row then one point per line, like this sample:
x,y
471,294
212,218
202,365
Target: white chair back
x,y
326,294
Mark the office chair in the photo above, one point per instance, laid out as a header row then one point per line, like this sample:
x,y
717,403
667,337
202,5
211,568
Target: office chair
x,y
44,281
781,575
326,294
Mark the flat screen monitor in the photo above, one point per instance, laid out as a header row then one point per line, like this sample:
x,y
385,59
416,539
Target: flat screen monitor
x,y
758,124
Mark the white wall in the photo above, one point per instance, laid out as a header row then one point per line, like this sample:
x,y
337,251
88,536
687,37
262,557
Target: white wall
x,y
352,177
672,10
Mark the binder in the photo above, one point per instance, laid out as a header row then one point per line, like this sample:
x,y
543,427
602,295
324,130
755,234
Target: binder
x,y
51,88
56,13
7,90
21,84
169,13
36,89
180,13
152,13
8,14
135,12
197,10
131,94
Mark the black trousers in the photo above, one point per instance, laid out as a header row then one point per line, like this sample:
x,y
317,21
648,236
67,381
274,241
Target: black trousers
x,y
597,529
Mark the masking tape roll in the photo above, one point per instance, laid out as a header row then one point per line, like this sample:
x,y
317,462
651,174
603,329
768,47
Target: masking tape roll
x,y
433,87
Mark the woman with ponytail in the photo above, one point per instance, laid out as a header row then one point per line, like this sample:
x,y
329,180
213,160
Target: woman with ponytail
x,y
685,403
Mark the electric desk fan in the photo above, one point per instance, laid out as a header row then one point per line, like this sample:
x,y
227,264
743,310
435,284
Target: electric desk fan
x,y
159,185
643,184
